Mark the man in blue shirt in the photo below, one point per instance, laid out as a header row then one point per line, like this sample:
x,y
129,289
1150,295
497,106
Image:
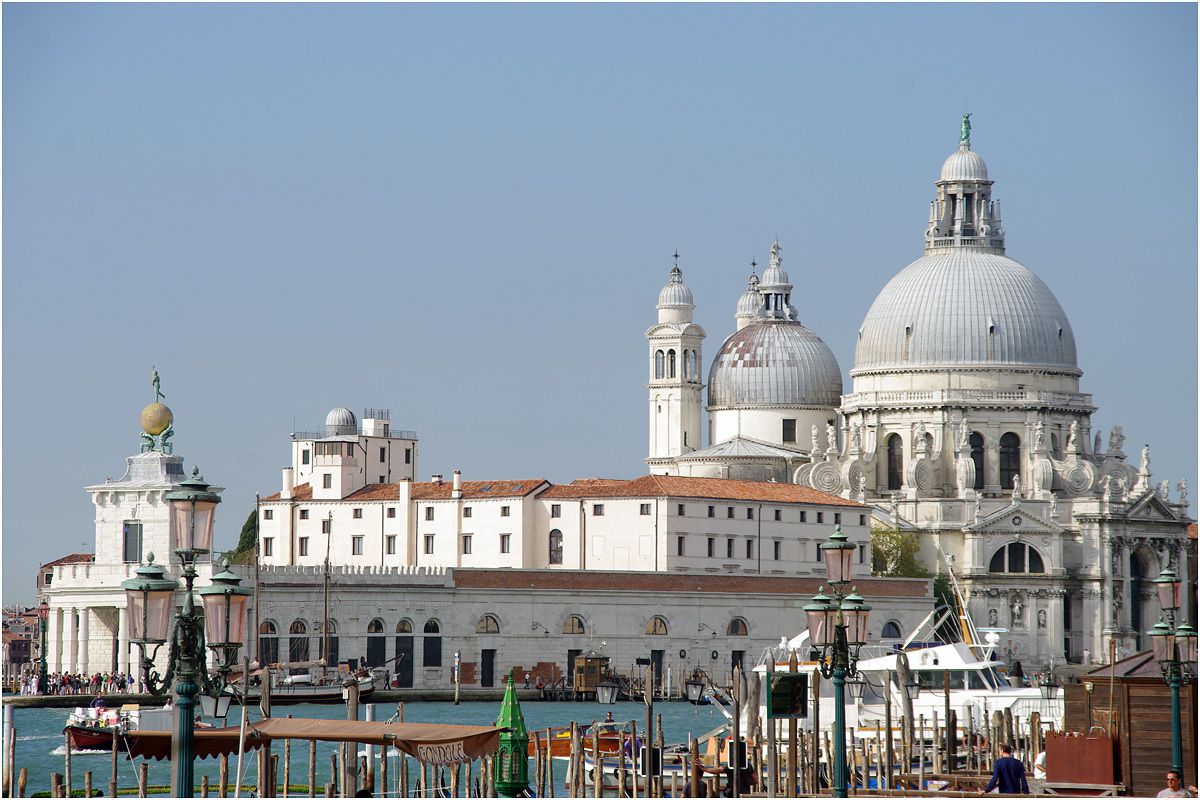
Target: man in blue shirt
x,y
1008,774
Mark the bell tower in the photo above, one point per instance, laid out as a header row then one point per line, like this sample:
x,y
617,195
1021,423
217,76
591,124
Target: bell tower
x,y
675,386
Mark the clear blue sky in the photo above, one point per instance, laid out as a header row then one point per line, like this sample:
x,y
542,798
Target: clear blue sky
x,y
464,214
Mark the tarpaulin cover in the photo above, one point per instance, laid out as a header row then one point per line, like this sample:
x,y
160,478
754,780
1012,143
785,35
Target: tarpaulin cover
x,y
429,743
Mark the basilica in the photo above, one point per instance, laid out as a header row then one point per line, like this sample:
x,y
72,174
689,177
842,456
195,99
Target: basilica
x,y
964,423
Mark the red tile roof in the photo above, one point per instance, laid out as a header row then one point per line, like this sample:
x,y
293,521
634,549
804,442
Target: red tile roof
x,y
1192,531
472,490
74,558
705,488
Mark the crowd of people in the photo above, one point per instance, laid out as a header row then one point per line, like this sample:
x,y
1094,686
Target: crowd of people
x,y
78,683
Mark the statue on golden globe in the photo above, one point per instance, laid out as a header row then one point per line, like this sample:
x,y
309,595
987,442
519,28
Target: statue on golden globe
x,y
157,421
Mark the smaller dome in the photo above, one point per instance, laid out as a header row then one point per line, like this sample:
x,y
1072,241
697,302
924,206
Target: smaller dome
x,y
750,303
964,164
675,293
341,421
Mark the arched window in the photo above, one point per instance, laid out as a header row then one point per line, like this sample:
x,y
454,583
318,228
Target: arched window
x,y
298,641
574,625
670,363
1017,557
895,462
976,442
487,624
659,364
891,630
376,643
657,626
331,634
268,643
556,546
737,627
404,653
1010,459
431,645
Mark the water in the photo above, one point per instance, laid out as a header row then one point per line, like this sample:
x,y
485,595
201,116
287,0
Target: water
x,y
40,739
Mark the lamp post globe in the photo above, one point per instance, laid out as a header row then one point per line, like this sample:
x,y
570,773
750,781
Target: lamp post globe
x,y
192,507
1168,586
838,553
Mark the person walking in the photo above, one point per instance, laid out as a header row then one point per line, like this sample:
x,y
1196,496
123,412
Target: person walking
x,y
1174,786
1008,774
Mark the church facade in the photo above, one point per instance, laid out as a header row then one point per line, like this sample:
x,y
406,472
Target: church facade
x,y
965,423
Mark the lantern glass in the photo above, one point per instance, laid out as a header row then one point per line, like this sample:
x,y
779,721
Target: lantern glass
x,y
838,563
216,707
913,689
1049,689
1162,642
191,525
606,693
225,618
149,614
1185,637
1168,586
856,614
857,687
695,690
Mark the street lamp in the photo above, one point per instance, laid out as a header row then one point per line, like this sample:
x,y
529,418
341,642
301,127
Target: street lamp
x,y
43,623
1174,649
606,692
1049,688
837,630
149,598
913,689
693,687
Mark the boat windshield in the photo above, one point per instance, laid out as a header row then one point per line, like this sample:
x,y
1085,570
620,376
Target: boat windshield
x,y
935,679
981,679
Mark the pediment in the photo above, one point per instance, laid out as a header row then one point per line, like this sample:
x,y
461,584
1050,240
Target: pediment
x,y
668,329
1151,507
1016,519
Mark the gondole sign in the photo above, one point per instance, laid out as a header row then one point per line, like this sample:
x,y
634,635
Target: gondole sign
x,y
787,695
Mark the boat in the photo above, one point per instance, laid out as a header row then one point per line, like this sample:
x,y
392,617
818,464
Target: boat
x,y
94,728
978,685
305,686
560,739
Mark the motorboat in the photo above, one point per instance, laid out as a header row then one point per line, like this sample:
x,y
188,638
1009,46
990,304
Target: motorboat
x,y
94,728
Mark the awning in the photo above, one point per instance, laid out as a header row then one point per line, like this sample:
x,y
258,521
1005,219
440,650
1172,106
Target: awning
x,y
428,743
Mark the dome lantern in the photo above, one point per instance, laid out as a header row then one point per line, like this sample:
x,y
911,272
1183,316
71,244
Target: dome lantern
x,y
675,300
963,213
749,307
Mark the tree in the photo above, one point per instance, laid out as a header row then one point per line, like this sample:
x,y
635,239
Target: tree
x,y
248,539
896,554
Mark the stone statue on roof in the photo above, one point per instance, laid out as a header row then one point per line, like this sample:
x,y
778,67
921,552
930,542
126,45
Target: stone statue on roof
x,y
1182,486
156,383
964,135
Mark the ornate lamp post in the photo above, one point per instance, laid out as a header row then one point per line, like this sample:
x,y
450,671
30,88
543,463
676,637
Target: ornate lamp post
x,y
837,630
149,597
1174,650
43,623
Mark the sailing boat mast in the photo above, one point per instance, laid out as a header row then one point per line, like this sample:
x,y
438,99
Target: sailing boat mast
x,y
325,607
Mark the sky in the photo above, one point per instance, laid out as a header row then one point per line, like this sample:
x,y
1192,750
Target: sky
x,y
464,214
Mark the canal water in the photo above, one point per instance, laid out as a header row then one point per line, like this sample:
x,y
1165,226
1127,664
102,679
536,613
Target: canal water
x,y
40,739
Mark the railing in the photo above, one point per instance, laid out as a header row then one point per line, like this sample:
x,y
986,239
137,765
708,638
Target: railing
x,y
376,413
943,242
308,436
969,395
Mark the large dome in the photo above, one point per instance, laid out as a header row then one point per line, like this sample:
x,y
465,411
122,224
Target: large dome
x,y
773,363
965,307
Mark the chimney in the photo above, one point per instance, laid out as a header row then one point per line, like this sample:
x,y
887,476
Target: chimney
x,y
437,480
456,492
289,483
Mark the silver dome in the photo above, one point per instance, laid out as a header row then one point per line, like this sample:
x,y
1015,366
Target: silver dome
x,y
340,422
964,164
750,303
675,293
774,363
965,307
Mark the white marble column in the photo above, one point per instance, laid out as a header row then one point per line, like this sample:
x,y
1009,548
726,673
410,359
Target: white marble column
x,y
1055,627
83,640
123,639
53,648
71,645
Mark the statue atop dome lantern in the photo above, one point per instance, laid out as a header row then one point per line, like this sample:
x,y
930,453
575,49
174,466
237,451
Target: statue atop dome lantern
x,y
964,135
